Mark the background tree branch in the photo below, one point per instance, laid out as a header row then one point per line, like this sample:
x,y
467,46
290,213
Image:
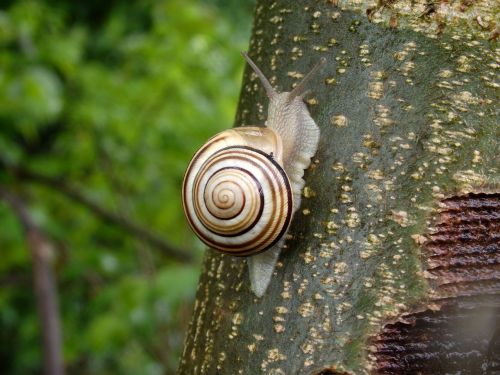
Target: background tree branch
x,y
44,284
133,228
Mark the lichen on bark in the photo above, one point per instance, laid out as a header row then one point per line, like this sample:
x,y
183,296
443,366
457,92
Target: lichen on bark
x,y
407,110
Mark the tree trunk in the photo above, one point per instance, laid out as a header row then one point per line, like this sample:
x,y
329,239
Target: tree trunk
x,y
393,265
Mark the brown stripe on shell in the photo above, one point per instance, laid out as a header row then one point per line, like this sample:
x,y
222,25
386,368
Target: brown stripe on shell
x,y
287,220
213,197
274,178
250,245
269,234
206,221
246,228
220,137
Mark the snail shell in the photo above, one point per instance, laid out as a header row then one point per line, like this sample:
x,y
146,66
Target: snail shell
x,y
236,194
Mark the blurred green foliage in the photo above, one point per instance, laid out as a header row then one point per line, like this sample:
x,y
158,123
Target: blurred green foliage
x,y
113,98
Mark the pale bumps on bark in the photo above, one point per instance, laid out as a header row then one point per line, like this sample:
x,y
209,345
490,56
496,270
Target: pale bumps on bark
x,y
408,116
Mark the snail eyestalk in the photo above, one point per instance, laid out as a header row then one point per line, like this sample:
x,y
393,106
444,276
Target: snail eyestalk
x,y
267,86
299,89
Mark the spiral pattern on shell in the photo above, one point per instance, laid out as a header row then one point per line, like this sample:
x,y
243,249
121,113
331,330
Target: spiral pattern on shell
x,y
237,198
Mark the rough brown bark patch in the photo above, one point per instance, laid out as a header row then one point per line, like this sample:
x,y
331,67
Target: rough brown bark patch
x,y
459,331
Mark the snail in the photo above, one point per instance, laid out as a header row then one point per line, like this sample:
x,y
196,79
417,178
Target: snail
x,y
243,186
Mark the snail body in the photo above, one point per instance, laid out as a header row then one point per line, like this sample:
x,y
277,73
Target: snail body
x,y
243,186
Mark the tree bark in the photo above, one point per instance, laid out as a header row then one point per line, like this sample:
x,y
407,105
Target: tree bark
x,y
393,265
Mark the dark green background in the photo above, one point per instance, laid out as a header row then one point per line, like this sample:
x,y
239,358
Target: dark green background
x,y
112,98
